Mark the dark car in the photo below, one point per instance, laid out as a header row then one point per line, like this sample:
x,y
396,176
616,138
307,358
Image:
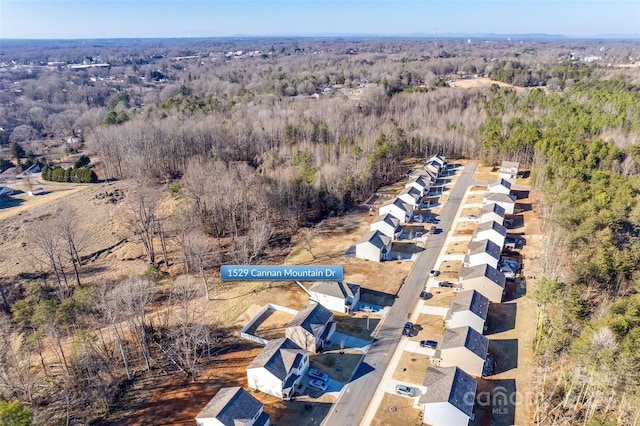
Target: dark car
x,y
434,273
428,344
424,295
446,284
408,328
432,230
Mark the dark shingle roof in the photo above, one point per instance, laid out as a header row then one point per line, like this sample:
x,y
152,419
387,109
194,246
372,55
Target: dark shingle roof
x,y
469,300
388,219
278,357
231,404
500,182
312,318
485,246
492,225
464,337
450,384
483,270
337,289
493,208
399,203
376,238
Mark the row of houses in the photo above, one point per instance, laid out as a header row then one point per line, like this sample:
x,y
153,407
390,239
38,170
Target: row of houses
x,y
461,354
376,244
277,370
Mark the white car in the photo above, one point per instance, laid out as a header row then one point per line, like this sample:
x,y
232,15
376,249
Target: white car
x,y
317,374
318,384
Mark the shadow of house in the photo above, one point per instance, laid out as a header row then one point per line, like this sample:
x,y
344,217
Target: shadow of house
x,y
298,412
522,207
504,353
376,297
495,403
501,317
520,194
514,289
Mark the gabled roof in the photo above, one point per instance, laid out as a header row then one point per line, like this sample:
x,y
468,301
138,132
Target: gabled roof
x,y
469,300
279,357
413,192
376,238
229,405
485,246
388,219
427,175
483,270
493,225
499,182
466,337
452,385
493,208
399,203
338,289
312,318
498,197
419,179
510,165
438,158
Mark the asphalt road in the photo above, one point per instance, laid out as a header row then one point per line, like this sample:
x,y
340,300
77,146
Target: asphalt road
x,y
354,400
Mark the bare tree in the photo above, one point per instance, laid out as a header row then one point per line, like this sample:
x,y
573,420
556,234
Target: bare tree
x,y
47,245
200,253
108,305
142,218
68,230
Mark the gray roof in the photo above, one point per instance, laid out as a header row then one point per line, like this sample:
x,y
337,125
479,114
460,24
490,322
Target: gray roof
x,y
466,337
312,318
452,385
498,197
398,202
231,404
492,225
427,176
469,300
485,246
337,289
493,208
509,165
500,182
279,357
483,270
420,180
376,238
387,218
411,191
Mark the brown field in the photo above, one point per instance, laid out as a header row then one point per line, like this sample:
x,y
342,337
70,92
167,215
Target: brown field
x,y
450,270
430,327
411,368
356,325
441,297
336,362
465,228
271,325
458,247
397,410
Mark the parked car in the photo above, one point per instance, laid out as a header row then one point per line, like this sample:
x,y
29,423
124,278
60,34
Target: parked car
x,y
405,390
446,284
472,216
317,374
431,219
408,328
428,344
318,384
367,308
424,294
432,230
434,273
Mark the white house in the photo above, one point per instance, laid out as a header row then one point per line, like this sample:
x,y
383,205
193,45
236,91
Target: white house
x,y
509,169
411,196
433,168
311,328
469,308
449,397
233,407
506,201
336,296
483,252
429,176
440,159
485,279
398,209
462,347
491,231
387,224
421,183
492,212
373,245
278,368
500,186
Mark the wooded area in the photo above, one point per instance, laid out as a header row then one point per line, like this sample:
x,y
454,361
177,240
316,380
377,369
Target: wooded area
x,y
233,150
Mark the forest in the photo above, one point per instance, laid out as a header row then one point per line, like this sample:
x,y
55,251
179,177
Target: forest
x,y
252,142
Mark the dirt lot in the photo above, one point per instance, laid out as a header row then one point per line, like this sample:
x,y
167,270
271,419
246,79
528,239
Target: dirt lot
x,y
336,362
397,410
458,247
356,325
450,270
411,368
441,297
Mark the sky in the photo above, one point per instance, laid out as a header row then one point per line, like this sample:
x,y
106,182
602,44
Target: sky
x,y
72,19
